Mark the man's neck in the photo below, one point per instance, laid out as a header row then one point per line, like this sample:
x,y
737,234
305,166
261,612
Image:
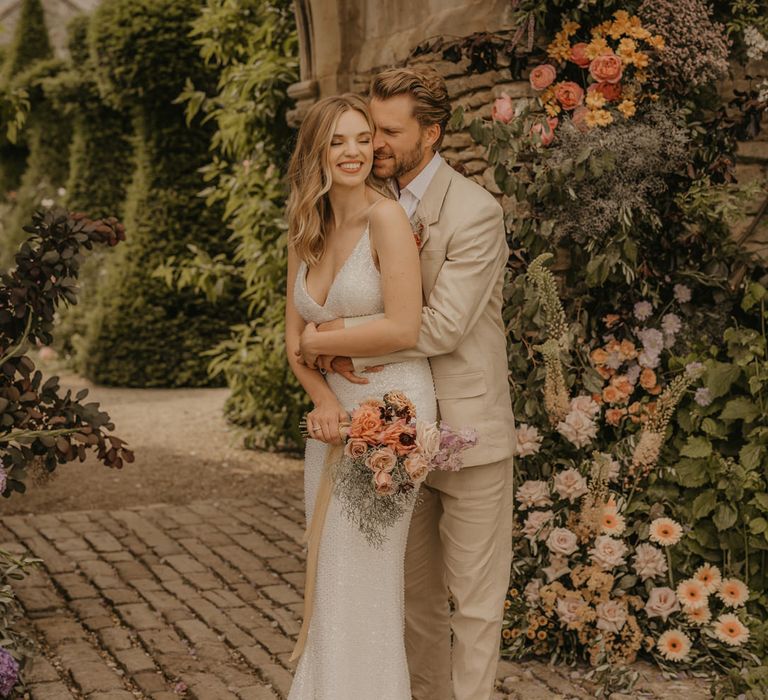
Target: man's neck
x,y
404,180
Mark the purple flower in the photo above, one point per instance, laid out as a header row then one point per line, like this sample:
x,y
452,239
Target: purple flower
x,y
643,310
9,673
682,293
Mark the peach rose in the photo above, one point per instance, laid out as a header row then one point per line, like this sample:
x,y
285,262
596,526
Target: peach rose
x,y
545,130
503,110
355,448
383,483
427,438
399,437
607,68
417,467
613,416
579,118
366,424
579,55
612,395
543,76
569,94
647,378
381,460
622,383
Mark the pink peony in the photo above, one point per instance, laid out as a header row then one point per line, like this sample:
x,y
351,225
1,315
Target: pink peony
x,y
607,68
543,76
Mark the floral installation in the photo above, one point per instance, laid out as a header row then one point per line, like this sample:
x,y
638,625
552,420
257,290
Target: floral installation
x,y
594,574
597,75
387,455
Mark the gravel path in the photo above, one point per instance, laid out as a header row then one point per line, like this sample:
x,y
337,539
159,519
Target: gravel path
x,y
185,452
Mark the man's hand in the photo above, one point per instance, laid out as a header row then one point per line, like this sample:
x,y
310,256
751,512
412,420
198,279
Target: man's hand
x,y
344,367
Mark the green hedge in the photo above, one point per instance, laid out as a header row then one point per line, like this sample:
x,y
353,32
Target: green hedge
x,y
142,334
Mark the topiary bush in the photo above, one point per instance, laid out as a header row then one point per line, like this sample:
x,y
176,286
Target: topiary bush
x,y
30,43
141,334
100,134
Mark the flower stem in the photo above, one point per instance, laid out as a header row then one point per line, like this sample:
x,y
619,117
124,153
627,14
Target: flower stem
x,y
669,568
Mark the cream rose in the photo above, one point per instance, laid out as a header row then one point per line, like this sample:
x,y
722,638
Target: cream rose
x,y
562,541
611,615
608,552
533,494
570,484
578,428
381,460
558,566
662,602
536,525
528,440
649,561
383,482
570,611
585,404
427,439
356,448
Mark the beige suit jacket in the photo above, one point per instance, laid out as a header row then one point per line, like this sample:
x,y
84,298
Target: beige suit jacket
x,y
463,261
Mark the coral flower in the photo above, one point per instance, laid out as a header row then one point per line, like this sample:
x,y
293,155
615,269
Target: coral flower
x,y
569,94
674,645
699,616
666,532
647,378
612,522
599,356
733,592
730,630
709,576
692,594
579,55
613,416
612,395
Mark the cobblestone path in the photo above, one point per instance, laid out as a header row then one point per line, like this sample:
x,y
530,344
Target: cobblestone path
x,y
201,602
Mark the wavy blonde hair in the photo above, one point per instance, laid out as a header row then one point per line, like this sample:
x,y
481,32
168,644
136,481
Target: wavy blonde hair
x,y
309,175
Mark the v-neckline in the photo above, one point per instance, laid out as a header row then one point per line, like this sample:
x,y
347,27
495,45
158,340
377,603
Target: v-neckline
x,y
337,275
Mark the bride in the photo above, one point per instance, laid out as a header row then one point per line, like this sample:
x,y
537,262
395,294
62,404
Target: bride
x,y
351,253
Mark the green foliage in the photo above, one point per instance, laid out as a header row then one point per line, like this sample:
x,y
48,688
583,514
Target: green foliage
x,y
141,334
253,44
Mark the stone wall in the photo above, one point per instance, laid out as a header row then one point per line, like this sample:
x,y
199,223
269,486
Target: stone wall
x,y
344,43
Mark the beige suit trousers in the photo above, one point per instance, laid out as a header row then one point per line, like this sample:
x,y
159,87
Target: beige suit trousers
x,y
459,547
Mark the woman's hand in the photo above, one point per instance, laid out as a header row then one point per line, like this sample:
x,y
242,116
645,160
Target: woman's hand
x,y
324,422
308,345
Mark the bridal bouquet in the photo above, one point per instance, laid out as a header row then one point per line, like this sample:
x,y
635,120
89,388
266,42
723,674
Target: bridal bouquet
x,y
387,454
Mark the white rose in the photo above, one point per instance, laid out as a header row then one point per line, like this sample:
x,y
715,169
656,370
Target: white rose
x,y
608,552
427,438
570,611
533,494
662,602
536,525
562,541
570,484
578,428
585,404
611,615
528,440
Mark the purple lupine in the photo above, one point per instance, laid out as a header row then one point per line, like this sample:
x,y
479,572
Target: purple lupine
x,y
9,673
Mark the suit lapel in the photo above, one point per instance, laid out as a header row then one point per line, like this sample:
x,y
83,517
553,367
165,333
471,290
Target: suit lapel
x,y
428,211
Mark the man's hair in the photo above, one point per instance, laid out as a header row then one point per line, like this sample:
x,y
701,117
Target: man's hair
x,y
425,85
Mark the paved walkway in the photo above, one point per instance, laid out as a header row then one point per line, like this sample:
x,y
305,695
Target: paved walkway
x,y
201,602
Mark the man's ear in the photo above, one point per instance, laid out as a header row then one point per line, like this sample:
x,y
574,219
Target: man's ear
x,y
432,133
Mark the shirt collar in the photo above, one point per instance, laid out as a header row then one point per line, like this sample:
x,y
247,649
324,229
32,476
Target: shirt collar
x,y
418,186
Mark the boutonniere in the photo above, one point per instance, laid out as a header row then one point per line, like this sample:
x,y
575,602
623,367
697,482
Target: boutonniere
x,y
418,233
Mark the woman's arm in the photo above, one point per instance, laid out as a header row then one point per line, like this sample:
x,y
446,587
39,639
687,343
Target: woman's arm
x,y
328,411
398,257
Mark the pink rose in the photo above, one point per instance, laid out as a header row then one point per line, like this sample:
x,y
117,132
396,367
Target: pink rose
x,y
356,448
579,118
543,76
503,110
381,460
545,130
569,94
607,68
383,483
366,424
417,467
579,55
610,91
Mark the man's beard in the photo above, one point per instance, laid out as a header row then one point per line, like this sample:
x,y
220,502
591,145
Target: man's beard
x,y
408,161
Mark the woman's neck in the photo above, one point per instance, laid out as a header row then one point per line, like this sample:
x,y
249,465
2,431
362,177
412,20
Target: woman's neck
x,y
346,203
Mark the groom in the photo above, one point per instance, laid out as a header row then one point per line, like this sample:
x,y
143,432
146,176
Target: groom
x,y
459,543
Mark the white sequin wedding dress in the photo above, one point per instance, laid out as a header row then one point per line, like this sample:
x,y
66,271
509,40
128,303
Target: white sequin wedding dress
x,y
355,648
